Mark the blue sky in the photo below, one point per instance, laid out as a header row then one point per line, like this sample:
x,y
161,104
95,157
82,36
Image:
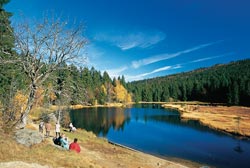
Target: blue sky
x,y
148,38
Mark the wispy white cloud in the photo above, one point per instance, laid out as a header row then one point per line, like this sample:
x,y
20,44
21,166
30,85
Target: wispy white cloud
x,y
209,58
116,72
142,76
125,41
171,67
162,69
165,56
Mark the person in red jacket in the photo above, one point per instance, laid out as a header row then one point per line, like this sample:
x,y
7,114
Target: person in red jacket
x,y
75,146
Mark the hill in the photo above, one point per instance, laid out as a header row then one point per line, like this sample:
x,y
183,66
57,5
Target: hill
x,y
223,83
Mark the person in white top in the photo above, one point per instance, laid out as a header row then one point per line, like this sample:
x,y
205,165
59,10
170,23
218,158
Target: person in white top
x,y
41,125
73,129
70,127
57,129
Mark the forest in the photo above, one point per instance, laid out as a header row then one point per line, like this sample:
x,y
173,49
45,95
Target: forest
x,y
41,64
228,84
37,68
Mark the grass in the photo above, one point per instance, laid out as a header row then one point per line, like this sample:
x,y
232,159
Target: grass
x,y
234,120
96,153
43,153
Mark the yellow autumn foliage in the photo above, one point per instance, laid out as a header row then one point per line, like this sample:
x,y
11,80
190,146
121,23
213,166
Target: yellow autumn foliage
x,y
104,90
39,97
128,98
121,93
20,102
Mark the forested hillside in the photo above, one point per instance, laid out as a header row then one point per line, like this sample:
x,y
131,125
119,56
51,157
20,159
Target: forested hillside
x,y
228,84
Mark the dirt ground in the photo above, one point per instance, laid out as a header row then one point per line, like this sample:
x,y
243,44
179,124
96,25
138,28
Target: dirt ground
x,y
234,120
107,155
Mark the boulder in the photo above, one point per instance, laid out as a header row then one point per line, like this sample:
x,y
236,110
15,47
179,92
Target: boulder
x,y
28,137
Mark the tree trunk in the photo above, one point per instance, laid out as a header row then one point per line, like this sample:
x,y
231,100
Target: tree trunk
x,y
31,99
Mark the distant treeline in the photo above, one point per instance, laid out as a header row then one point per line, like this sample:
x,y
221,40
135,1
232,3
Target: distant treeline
x,y
26,78
228,84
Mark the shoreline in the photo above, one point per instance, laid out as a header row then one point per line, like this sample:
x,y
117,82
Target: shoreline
x,y
174,160
203,112
95,152
110,154
234,120
189,163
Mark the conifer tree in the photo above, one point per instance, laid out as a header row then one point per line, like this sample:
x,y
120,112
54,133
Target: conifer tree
x,y
11,77
6,32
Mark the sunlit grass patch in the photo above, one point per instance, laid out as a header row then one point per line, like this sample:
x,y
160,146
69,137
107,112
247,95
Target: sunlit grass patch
x,y
43,153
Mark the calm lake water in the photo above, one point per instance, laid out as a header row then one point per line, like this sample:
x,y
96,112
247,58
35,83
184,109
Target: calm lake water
x,y
158,131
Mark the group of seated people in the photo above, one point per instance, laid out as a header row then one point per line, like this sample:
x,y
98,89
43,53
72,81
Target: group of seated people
x,y
63,142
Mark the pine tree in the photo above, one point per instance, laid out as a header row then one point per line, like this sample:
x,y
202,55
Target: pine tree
x,y
6,46
11,77
6,32
165,94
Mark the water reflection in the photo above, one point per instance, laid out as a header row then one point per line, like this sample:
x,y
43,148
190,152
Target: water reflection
x,y
158,131
100,120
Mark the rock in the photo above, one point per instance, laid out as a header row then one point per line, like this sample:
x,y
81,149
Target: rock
x,y
28,137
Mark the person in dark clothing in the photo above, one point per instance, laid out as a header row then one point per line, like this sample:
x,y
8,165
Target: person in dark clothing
x,y
57,141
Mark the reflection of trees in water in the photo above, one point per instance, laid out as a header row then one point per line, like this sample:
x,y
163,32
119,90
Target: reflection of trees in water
x,y
100,120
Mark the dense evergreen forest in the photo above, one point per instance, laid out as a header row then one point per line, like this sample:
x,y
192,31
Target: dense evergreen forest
x,y
69,84
228,84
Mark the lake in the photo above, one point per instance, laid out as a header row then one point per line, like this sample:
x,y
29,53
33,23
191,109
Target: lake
x,y
157,131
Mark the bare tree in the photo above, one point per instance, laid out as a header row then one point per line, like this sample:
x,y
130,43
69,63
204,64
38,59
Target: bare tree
x,y
42,47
